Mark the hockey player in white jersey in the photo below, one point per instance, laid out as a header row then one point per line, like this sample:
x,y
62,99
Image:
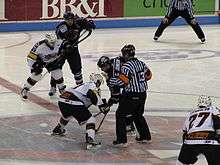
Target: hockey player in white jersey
x,y
74,103
201,134
47,54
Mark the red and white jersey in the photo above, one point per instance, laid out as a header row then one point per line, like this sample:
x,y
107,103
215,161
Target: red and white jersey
x,y
81,93
41,50
199,126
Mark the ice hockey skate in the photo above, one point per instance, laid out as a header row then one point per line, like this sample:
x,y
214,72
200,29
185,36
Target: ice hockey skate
x,y
92,144
24,92
52,91
58,131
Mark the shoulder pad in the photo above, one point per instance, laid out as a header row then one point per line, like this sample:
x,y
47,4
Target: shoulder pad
x,y
37,45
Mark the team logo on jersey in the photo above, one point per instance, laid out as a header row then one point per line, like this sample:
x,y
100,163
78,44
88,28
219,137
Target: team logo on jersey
x,y
160,54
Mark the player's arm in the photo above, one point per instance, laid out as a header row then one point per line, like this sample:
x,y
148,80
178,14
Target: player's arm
x,y
216,123
86,24
148,74
91,94
123,78
61,31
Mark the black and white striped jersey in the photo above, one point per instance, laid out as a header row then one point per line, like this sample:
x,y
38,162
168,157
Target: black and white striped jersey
x,y
134,76
180,5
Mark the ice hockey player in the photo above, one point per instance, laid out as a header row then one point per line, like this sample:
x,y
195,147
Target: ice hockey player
x,y
112,68
74,102
69,30
47,54
201,134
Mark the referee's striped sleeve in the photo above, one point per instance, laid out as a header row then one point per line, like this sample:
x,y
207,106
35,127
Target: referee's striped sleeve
x,y
170,7
190,8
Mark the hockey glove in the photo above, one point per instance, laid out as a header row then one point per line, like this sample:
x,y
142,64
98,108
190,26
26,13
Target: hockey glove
x,y
113,100
104,108
90,25
37,67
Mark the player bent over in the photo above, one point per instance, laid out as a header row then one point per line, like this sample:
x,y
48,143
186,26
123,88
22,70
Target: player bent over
x,y
45,54
201,134
112,68
74,103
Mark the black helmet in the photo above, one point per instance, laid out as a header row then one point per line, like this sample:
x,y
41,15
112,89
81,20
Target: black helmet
x,y
103,60
68,15
128,51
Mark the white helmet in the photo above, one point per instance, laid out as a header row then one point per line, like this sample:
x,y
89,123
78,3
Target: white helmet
x,y
96,78
204,101
50,39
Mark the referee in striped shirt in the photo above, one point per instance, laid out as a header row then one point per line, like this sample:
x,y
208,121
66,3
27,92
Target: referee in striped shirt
x,y
184,9
133,77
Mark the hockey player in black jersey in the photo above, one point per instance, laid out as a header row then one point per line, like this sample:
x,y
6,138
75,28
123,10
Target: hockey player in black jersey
x,y
69,31
74,102
112,68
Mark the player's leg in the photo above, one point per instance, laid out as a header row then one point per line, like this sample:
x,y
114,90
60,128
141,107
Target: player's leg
x,y
57,76
31,81
121,136
90,133
52,90
211,153
166,21
53,67
66,111
188,154
75,64
195,25
130,128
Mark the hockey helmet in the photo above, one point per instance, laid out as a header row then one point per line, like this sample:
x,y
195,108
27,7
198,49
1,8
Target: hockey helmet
x,y
103,61
128,51
96,78
68,15
50,39
204,101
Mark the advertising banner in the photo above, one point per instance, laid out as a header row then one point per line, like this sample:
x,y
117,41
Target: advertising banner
x,y
137,8
24,10
27,10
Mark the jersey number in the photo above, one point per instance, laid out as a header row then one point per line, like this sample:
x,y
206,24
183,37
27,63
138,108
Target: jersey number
x,y
141,76
203,116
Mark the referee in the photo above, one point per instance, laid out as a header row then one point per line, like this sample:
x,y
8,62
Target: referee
x,y
133,77
184,9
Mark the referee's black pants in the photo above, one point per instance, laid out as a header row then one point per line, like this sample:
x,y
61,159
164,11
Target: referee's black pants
x,y
131,103
184,14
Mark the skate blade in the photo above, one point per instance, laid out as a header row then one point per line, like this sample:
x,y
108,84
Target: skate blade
x,y
58,135
93,147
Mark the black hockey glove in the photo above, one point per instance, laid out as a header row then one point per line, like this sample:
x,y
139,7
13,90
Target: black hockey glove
x,y
113,100
104,108
90,25
38,66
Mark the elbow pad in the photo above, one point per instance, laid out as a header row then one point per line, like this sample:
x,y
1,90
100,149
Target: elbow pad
x,y
92,96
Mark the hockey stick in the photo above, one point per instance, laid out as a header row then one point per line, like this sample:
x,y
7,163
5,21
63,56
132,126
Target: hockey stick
x,y
97,114
100,124
75,43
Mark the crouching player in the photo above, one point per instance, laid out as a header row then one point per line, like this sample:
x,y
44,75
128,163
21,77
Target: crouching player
x,y
201,134
47,54
74,103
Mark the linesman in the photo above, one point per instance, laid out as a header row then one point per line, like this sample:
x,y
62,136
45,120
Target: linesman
x,y
184,9
133,77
